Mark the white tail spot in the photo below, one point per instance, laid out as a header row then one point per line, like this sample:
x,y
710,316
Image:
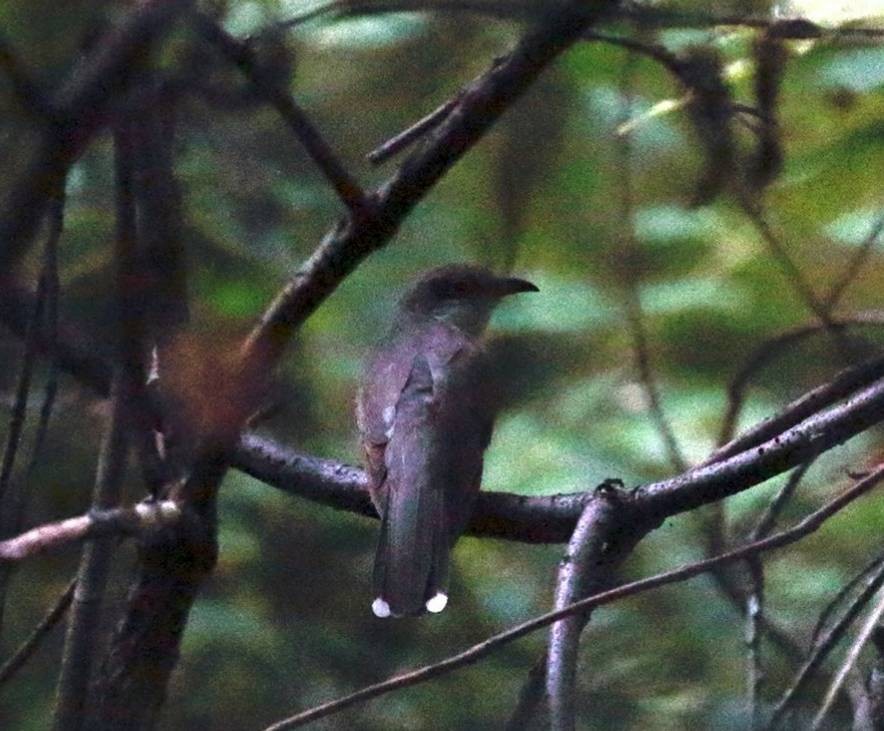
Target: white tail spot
x,y
437,603
380,608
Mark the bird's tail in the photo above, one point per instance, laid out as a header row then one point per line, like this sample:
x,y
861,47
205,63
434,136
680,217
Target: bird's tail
x,y
411,564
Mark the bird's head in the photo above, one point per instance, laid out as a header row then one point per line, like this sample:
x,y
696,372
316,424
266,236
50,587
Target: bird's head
x,y
462,295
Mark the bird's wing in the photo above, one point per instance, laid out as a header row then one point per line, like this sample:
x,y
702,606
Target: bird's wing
x,y
432,463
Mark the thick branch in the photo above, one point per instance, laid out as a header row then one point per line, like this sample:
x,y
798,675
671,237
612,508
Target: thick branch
x,y
478,109
549,519
808,525
593,551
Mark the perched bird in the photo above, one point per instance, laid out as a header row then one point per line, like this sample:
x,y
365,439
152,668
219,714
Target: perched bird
x,y
425,411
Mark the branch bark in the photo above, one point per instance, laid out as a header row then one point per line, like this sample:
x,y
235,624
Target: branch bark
x,y
80,111
142,518
809,524
598,545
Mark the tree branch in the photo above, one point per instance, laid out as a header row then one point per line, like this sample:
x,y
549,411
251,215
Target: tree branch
x,y
806,526
144,516
594,550
241,54
854,265
824,646
27,648
95,561
81,104
850,659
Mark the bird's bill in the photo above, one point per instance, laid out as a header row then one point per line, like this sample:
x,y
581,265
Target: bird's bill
x,y
514,285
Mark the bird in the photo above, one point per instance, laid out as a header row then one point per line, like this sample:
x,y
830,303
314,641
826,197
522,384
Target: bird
x,y
425,410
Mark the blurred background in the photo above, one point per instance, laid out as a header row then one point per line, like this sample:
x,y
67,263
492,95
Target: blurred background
x,y
285,621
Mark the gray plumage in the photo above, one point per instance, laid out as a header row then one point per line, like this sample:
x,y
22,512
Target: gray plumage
x,y
425,411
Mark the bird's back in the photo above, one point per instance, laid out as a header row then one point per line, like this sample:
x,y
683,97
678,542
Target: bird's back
x,y
423,429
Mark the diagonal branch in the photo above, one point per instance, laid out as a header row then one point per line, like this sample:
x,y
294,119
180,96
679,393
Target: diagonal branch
x,y
854,265
771,348
849,663
81,104
27,648
144,651
144,516
825,645
808,525
241,54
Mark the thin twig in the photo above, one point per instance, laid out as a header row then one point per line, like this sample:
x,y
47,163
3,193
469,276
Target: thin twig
x,y
531,697
243,56
756,215
22,392
849,661
755,616
808,525
836,600
854,265
754,662
49,340
824,646
14,502
769,349
630,256
411,134
775,507
27,649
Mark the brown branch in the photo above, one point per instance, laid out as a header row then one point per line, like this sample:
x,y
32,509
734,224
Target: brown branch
x,y
854,265
595,549
95,561
95,524
849,662
773,347
243,56
27,648
844,383
82,103
809,524
414,132
810,437
826,644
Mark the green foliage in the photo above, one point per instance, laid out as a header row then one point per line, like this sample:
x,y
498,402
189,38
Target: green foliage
x,y
285,622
